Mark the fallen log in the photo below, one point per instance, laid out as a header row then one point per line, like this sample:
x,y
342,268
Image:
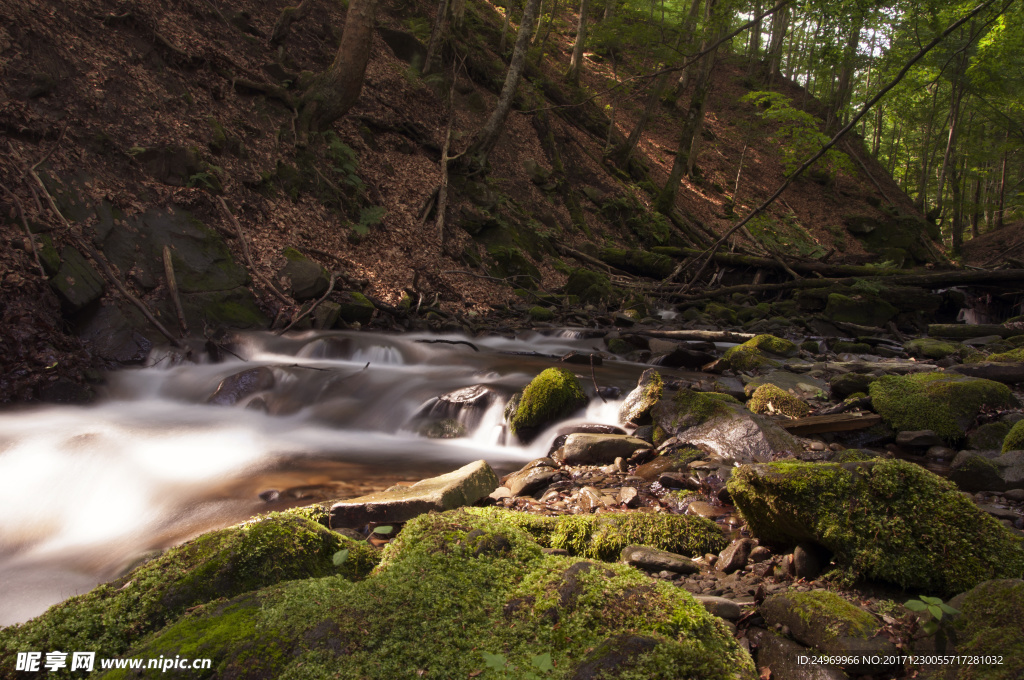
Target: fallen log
x,y
839,422
897,367
962,331
1009,373
711,336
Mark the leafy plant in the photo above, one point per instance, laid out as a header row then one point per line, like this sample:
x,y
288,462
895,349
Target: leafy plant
x,y
340,557
934,607
344,159
798,134
541,664
369,217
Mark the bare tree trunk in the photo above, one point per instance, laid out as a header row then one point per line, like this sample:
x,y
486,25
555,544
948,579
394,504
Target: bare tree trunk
x,y
609,9
954,122
780,20
844,88
504,28
476,155
691,126
434,45
573,74
336,90
976,208
458,13
688,27
921,202
877,141
754,46
1002,188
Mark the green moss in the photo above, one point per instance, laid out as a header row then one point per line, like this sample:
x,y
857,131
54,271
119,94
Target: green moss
x,y
854,456
989,625
865,312
553,394
770,398
689,408
538,313
930,348
590,287
809,346
988,437
945,403
836,614
1014,440
1013,356
751,354
639,262
721,313
886,520
453,585
851,347
225,563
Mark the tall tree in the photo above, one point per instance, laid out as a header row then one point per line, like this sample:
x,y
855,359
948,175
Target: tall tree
x,y
475,157
336,90
575,62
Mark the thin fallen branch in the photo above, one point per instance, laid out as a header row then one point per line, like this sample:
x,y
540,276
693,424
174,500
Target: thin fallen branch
x,y
300,317
28,231
172,287
248,257
593,376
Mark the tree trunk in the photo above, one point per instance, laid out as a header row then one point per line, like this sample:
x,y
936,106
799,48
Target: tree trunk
x,y
689,26
844,88
476,155
954,121
691,124
434,45
458,13
780,21
754,46
976,208
336,90
573,74
609,9
1002,188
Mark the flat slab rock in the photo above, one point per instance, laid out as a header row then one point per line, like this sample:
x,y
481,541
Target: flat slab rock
x,y
464,486
597,449
651,559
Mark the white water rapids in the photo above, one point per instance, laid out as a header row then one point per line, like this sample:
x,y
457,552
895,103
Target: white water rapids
x,y
87,491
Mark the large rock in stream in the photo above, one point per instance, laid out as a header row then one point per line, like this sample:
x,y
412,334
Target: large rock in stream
x,y
451,587
719,425
886,520
553,394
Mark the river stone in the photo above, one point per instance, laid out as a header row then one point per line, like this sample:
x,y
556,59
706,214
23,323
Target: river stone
x,y
802,386
782,657
638,403
706,510
628,496
301,277
237,387
918,438
988,436
806,564
464,486
589,499
671,461
742,437
830,624
735,556
356,308
988,470
326,315
597,449
845,384
77,283
683,357
651,559
552,395
721,607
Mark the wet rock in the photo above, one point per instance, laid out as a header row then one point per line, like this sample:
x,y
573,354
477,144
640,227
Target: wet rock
x,y
825,621
759,554
629,496
734,557
802,386
988,436
806,564
845,384
758,352
682,357
727,431
942,543
918,438
988,470
356,308
673,461
597,449
783,658
676,480
77,283
703,509
237,387
301,277
464,486
638,404
589,499
769,398
720,607
651,559
587,359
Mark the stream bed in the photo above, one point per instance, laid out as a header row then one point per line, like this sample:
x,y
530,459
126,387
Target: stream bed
x,y
164,455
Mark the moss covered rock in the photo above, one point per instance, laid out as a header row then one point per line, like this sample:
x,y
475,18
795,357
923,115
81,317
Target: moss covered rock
x,y
589,286
989,625
885,520
989,436
355,308
945,403
638,403
538,313
754,353
930,348
225,563
301,277
453,586
859,310
769,398
553,394
845,384
1011,356
639,262
1014,440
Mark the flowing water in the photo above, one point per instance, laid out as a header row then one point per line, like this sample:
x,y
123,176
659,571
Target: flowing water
x,y
88,491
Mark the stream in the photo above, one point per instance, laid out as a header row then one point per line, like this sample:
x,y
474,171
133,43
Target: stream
x,y
163,455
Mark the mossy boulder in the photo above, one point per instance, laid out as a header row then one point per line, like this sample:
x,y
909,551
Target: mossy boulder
x,y
988,470
1011,356
886,520
989,436
1014,440
845,384
859,310
930,348
769,398
639,262
511,264
263,551
945,403
638,403
721,313
301,277
590,287
452,586
687,408
754,353
538,313
553,394
988,626
844,347
355,308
